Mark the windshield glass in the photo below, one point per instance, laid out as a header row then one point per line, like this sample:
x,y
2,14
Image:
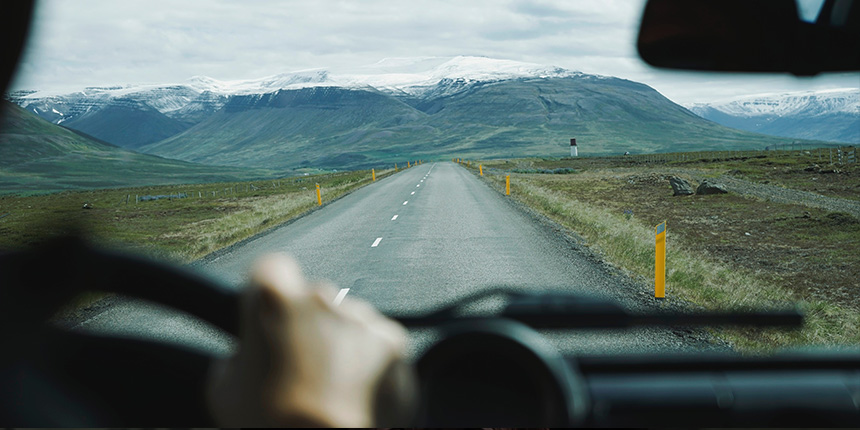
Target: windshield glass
x,y
414,153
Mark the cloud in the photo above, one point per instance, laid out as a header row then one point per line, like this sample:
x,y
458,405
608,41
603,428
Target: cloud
x,y
98,42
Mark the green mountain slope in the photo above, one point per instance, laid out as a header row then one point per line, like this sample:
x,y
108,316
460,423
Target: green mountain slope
x,y
294,128
37,156
127,123
349,128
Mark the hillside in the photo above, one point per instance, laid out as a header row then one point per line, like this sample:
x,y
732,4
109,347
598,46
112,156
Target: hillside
x,y
394,110
37,156
832,115
350,128
127,123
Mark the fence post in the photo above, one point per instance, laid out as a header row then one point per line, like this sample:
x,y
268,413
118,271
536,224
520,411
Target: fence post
x,y
660,261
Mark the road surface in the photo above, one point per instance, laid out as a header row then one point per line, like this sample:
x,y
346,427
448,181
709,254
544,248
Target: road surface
x,y
411,242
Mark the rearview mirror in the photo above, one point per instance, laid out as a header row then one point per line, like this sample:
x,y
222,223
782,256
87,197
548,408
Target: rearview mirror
x,y
750,36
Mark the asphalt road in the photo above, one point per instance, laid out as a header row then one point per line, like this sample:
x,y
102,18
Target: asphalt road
x,y
411,242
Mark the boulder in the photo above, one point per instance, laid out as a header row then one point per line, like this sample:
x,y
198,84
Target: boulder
x,y
707,187
680,187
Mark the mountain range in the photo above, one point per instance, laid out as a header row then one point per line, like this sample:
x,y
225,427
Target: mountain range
x,y
397,109
37,156
831,115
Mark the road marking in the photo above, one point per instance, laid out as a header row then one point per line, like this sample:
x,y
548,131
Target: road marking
x,y
418,185
376,242
412,193
422,180
394,217
404,203
340,296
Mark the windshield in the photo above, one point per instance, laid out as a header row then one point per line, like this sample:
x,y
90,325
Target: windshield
x,y
414,153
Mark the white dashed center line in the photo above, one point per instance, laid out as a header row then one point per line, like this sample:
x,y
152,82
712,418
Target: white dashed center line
x,y
394,217
340,296
418,185
376,242
412,193
404,203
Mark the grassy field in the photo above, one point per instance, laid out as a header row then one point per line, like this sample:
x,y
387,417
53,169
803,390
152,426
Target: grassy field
x,y
725,251
213,216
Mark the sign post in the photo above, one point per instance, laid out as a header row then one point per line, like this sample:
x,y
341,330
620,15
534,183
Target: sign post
x,y
660,261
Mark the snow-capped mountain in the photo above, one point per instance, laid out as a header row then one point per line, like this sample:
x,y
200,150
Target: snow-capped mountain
x,y
175,107
412,76
380,113
832,115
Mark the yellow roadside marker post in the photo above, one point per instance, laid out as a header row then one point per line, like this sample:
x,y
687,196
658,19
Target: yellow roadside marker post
x,y
373,172
458,161
395,167
407,164
508,185
319,196
481,169
660,261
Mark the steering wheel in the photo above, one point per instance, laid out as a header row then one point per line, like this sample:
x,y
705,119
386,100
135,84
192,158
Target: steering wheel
x,y
52,377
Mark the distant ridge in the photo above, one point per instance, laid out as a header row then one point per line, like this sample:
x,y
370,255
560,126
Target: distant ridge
x,y
831,115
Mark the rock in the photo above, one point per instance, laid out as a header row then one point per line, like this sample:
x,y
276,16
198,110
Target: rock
x,y
707,187
87,206
680,187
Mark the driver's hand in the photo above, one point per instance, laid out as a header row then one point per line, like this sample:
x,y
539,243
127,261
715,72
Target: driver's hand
x,y
302,360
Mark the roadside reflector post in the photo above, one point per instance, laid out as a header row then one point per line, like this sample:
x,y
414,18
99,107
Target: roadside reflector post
x,y
373,172
508,185
319,196
660,261
458,161
481,169
407,164
395,167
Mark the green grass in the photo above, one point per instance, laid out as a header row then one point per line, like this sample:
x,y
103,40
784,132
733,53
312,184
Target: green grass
x,y
178,229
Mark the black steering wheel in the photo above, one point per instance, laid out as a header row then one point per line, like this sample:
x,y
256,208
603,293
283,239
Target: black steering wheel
x,y
54,377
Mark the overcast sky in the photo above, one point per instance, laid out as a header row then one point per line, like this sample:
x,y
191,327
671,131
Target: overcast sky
x,y
101,42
